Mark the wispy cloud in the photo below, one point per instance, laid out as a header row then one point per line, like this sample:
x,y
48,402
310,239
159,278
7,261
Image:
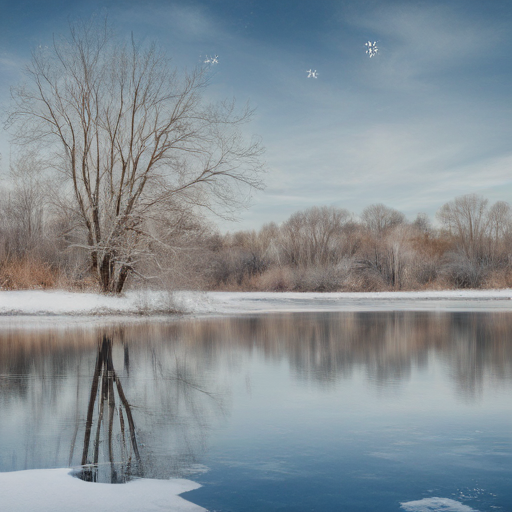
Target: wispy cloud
x,y
190,23
425,120
437,32
419,43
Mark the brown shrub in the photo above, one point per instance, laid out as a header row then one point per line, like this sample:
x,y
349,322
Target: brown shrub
x,y
27,273
30,273
365,280
276,279
501,278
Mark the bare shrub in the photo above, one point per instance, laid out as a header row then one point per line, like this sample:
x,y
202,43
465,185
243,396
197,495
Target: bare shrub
x,y
498,278
464,272
328,278
365,279
426,271
276,279
235,267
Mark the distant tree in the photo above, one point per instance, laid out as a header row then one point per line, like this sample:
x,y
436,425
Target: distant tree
x,y
313,236
499,220
422,223
378,218
499,227
133,139
466,218
22,206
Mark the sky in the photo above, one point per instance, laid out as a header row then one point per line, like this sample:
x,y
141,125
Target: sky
x,y
426,119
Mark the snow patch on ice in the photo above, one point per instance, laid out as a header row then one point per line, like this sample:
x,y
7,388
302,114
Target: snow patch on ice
x,y
57,490
436,505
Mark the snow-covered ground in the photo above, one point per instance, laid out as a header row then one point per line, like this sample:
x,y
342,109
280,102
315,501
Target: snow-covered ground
x,y
57,490
45,303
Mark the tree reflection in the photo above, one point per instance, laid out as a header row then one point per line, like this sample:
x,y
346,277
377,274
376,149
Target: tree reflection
x,y
124,463
144,397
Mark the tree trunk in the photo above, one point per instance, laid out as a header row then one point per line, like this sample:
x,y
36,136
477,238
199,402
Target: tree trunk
x,y
105,274
121,279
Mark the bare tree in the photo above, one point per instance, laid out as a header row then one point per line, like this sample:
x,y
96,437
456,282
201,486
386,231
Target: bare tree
x,y
314,236
23,206
133,139
378,218
466,218
500,231
422,223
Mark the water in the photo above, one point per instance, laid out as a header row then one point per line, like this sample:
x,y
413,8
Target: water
x,y
285,412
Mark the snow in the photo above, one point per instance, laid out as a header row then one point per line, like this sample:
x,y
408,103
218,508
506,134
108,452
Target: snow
x,y
51,303
57,490
266,302
436,505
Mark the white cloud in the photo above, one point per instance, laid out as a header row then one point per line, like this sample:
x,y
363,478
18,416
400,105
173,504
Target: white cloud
x,y
418,42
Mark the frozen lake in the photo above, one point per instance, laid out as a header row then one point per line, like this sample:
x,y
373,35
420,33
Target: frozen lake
x,y
326,411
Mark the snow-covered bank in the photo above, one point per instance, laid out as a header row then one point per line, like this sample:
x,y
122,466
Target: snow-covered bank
x,y
32,302
263,302
56,490
59,302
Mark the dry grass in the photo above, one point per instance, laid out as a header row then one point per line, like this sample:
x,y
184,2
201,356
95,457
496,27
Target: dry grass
x,y
27,273
30,273
497,279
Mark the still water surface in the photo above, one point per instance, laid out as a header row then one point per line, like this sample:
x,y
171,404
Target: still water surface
x,y
285,412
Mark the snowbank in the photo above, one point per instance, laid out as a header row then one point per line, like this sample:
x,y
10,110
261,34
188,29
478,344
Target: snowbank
x,y
436,505
34,302
38,302
56,490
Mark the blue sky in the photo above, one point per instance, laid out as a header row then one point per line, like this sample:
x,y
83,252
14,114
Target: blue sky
x,y
427,119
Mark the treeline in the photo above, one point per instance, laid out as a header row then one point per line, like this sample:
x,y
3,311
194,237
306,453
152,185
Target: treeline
x,y
329,249
318,249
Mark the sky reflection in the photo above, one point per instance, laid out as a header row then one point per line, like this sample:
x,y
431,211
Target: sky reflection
x,y
270,399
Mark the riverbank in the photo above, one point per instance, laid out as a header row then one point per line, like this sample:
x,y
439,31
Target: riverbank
x,y
157,303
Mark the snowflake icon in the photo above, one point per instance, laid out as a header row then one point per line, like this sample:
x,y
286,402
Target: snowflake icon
x,y
371,48
212,60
